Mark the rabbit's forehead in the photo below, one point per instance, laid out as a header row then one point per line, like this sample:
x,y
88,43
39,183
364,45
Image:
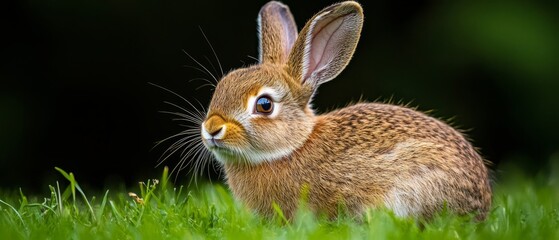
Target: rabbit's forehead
x,y
235,90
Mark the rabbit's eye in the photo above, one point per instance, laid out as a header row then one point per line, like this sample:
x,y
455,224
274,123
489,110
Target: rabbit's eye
x,y
264,105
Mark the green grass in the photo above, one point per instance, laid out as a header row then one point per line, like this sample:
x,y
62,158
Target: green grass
x,y
523,208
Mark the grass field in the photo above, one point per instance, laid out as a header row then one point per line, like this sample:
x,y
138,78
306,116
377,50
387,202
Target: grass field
x,y
523,208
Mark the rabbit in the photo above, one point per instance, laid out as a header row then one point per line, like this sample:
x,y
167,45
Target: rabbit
x,y
262,129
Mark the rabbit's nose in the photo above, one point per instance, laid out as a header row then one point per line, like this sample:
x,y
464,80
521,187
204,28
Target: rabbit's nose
x,y
213,128
216,132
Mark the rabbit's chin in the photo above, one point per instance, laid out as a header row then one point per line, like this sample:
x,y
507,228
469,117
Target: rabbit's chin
x,y
249,156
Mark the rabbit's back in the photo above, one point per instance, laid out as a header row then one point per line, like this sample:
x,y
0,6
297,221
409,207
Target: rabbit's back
x,y
402,158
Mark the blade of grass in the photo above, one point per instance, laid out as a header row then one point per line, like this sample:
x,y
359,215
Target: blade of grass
x,y
164,181
59,197
23,201
75,186
279,213
115,211
15,211
102,207
71,180
84,198
42,205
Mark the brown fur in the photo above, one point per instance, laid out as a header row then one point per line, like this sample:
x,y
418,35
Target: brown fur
x,y
364,155
360,178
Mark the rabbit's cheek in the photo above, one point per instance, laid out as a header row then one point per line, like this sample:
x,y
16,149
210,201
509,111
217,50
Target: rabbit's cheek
x,y
270,134
235,136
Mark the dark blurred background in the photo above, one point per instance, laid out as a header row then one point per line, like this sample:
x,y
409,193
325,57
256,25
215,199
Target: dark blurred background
x,y
74,89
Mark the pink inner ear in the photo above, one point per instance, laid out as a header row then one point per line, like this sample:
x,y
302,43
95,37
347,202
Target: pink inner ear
x,y
289,31
323,45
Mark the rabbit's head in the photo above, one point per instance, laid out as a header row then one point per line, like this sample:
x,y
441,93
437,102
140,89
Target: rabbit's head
x,y
262,113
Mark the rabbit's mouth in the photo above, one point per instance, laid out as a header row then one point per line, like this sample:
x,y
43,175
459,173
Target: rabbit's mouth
x,y
214,143
224,154
230,154
217,146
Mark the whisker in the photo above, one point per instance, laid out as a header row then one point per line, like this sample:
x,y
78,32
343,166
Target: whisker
x,y
187,144
185,117
202,66
195,68
179,142
185,125
193,157
197,164
181,97
212,65
213,51
204,110
183,163
200,164
184,159
200,70
204,162
251,57
205,80
207,84
175,169
197,114
175,147
207,163
185,132
195,131
191,149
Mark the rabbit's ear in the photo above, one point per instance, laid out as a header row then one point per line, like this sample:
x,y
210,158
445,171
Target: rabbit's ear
x,y
276,32
326,43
